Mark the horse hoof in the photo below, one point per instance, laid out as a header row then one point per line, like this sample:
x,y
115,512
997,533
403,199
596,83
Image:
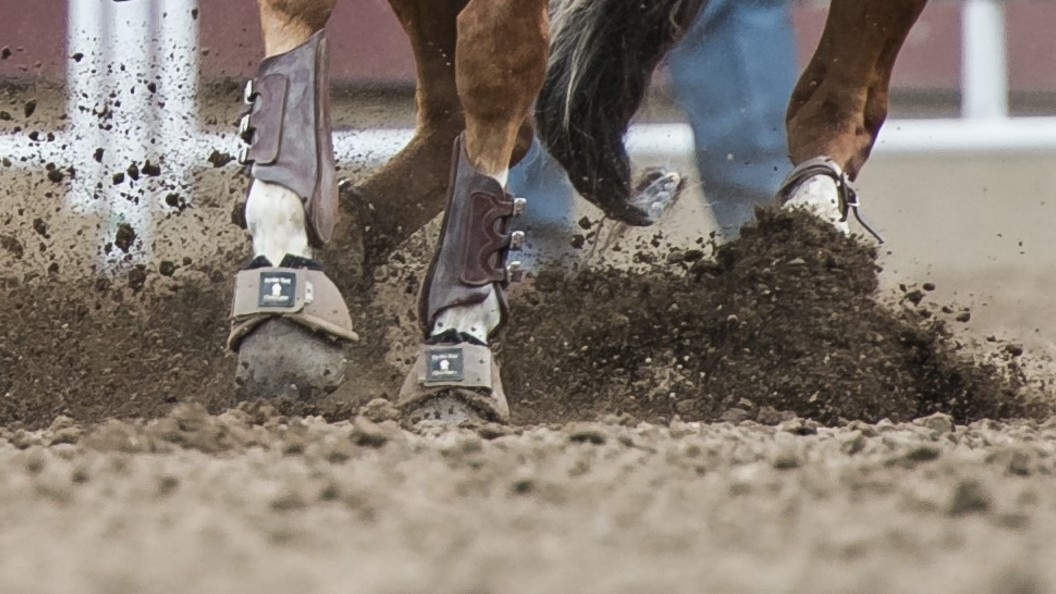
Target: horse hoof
x,y
817,186
282,358
454,385
657,191
445,410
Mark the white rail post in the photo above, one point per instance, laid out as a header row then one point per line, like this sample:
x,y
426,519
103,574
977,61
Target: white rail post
x,y
177,61
129,55
984,62
85,29
133,94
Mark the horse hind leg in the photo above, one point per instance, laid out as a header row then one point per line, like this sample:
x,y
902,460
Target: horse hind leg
x,y
288,318
841,101
408,191
500,65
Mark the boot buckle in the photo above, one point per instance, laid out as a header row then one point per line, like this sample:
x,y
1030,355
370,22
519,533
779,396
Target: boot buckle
x,y
517,240
249,93
245,129
514,272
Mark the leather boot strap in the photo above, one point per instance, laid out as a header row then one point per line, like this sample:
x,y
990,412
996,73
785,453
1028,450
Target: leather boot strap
x,y
287,129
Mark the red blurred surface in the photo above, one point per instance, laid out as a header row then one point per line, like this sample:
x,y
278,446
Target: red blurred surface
x,y
368,44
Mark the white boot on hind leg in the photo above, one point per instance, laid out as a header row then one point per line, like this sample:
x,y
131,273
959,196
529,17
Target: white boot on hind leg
x,y
820,187
819,196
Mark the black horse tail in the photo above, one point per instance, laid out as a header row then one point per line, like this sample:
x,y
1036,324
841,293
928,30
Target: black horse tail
x,y
602,56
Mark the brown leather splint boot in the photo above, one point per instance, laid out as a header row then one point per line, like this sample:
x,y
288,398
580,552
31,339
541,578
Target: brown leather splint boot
x,y
288,320
455,378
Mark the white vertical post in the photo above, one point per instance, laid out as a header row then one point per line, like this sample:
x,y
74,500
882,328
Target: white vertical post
x,y
134,58
984,64
177,56
86,29
134,119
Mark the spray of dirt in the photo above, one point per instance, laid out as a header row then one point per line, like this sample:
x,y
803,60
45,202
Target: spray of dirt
x,y
783,322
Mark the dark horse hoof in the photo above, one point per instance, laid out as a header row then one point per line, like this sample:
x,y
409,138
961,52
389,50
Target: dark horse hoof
x,y
448,411
282,358
453,385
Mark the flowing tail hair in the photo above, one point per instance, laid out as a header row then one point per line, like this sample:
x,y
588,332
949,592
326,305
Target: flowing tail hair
x,y
602,55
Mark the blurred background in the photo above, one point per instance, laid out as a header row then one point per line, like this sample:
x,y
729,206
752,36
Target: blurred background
x,y
117,138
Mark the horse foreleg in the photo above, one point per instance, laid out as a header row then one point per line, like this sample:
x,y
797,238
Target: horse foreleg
x,y
500,63
275,211
841,100
287,316
286,24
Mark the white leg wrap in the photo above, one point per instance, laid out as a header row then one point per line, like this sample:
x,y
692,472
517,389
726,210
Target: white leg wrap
x,y
275,218
820,196
477,320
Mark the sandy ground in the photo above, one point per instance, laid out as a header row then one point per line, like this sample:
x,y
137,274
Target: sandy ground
x,y
254,502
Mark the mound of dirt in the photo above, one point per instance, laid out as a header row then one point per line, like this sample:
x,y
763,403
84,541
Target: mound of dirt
x,y
783,322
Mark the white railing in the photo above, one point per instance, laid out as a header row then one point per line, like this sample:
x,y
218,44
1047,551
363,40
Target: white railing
x,y
157,41
984,124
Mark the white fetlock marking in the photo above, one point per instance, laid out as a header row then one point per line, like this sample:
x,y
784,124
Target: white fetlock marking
x,y
475,320
502,177
820,196
275,218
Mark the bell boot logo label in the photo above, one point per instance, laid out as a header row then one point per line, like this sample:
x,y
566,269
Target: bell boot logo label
x,y
277,289
444,365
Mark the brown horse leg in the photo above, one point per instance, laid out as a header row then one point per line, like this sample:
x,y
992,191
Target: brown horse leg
x,y
408,191
277,203
288,317
841,100
501,57
500,65
287,24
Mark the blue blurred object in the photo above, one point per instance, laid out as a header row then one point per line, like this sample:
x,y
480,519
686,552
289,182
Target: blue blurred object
x,y
732,75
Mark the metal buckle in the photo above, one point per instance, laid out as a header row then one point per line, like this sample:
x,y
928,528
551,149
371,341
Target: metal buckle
x,y
848,196
243,155
514,272
519,205
248,93
851,203
244,129
517,240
